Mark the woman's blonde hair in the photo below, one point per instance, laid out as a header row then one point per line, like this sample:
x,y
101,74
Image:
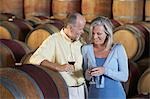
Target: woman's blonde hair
x,y
108,29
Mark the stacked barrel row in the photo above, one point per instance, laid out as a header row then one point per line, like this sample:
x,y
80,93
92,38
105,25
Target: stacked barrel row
x,y
34,30
30,81
23,29
122,10
18,79
19,38
13,53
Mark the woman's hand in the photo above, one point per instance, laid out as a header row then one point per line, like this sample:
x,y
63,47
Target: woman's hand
x,y
97,71
88,75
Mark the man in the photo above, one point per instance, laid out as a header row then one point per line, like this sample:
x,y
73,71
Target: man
x,y
59,48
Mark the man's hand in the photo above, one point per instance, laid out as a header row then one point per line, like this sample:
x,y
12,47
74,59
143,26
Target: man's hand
x,y
67,68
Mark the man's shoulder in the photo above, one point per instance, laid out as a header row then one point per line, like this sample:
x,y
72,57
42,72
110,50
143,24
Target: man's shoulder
x,y
55,35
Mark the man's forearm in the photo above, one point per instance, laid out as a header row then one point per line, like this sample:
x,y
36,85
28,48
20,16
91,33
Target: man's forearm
x,y
50,65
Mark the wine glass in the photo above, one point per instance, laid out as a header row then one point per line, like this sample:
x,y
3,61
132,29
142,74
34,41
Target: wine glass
x,y
93,78
71,61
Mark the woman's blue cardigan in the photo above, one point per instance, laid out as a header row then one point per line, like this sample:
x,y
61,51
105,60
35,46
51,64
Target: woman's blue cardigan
x,y
116,64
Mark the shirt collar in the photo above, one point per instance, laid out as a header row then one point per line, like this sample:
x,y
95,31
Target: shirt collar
x,y
65,36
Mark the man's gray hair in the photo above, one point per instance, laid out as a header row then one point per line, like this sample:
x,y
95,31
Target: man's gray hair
x,y
71,19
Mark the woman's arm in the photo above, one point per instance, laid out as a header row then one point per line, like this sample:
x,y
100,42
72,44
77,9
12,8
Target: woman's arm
x,y
86,71
122,60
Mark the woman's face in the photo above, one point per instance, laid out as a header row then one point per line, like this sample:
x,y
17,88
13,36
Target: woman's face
x,y
99,35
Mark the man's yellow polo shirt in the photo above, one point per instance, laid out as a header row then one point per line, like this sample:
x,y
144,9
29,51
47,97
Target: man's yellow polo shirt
x,y
58,48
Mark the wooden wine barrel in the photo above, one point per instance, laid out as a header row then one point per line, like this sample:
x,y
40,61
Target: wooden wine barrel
x,y
57,23
146,25
41,32
116,23
131,85
18,48
39,82
140,96
61,8
147,7
14,29
128,11
143,64
19,84
144,83
1,5
5,93
35,38
12,6
135,72
37,20
94,8
7,57
37,8
6,16
51,81
135,39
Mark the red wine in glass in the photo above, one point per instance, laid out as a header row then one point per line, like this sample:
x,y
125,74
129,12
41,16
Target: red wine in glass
x,y
71,62
93,78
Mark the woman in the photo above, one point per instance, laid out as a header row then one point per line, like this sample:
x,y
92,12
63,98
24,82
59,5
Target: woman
x,y
105,63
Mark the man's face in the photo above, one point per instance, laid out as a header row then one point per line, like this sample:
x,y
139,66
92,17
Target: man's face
x,y
77,29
